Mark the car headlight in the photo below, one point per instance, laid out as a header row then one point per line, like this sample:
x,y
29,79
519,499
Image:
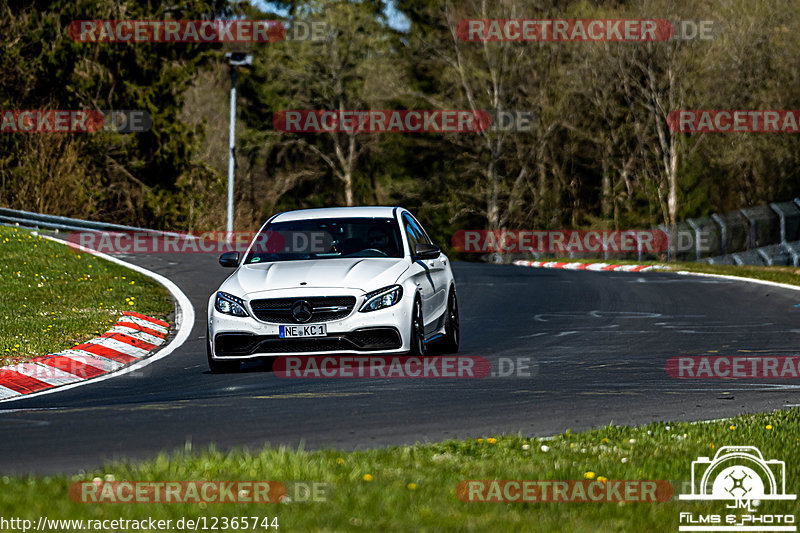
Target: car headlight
x,y
230,305
382,298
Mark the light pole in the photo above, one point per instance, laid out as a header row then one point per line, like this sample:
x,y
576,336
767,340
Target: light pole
x,y
235,59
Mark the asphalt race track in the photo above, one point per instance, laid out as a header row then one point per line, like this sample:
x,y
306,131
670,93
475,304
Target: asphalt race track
x,y
597,341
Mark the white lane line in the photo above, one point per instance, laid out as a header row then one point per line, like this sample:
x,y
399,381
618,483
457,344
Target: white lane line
x,y
740,278
184,320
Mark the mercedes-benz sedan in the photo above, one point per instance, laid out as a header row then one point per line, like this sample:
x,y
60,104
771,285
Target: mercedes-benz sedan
x,y
360,280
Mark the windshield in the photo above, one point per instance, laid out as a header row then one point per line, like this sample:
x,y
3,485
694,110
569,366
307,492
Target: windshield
x,y
326,238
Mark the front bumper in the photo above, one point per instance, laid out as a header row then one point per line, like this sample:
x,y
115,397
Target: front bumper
x,y
227,345
385,331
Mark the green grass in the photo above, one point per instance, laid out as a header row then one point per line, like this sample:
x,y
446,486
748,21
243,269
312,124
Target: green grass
x,y
413,488
53,297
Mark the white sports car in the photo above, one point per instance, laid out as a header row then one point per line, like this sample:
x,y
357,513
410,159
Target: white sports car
x,y
345,280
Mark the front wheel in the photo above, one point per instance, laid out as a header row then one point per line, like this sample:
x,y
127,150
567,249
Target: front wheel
x,y
417,330
452,332
216,366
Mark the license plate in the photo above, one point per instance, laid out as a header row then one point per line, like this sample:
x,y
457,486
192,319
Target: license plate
x,y
316,330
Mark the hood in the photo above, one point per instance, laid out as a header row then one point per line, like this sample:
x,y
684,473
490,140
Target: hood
x,y
366,274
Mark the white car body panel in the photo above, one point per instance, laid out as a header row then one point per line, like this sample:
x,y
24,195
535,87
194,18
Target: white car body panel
x,y
431,279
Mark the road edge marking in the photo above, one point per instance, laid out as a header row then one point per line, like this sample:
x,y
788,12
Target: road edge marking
x,y
184,321
596,267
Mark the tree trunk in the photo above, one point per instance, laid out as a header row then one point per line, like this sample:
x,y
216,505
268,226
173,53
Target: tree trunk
x,y
348,189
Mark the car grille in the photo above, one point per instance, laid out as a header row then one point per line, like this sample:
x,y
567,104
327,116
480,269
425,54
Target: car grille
x,y
324,309
368,339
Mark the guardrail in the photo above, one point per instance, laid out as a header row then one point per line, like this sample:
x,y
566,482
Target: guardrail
x,y
762,235
52,222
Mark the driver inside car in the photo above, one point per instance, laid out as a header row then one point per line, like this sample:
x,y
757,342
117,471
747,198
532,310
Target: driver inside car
x,y
377,238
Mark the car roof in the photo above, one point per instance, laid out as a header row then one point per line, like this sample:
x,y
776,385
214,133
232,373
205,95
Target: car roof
x,y
337,212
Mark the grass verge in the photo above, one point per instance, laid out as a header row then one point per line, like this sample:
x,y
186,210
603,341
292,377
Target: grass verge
x,y
54,297
413,488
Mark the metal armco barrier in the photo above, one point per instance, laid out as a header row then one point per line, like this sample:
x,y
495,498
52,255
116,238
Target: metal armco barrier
x,y
53,222
761,235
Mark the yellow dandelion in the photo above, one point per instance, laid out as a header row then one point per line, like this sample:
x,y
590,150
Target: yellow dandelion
x,y
732,428
492,440
769,426
339,461
602,479
411,486
589,475
367,477
480,440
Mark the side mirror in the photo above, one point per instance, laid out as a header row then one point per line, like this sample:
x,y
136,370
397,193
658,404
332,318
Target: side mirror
x,y
426,251
229,259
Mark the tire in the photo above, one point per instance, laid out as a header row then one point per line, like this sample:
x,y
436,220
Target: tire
x,y
216,366
417,331
452,331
